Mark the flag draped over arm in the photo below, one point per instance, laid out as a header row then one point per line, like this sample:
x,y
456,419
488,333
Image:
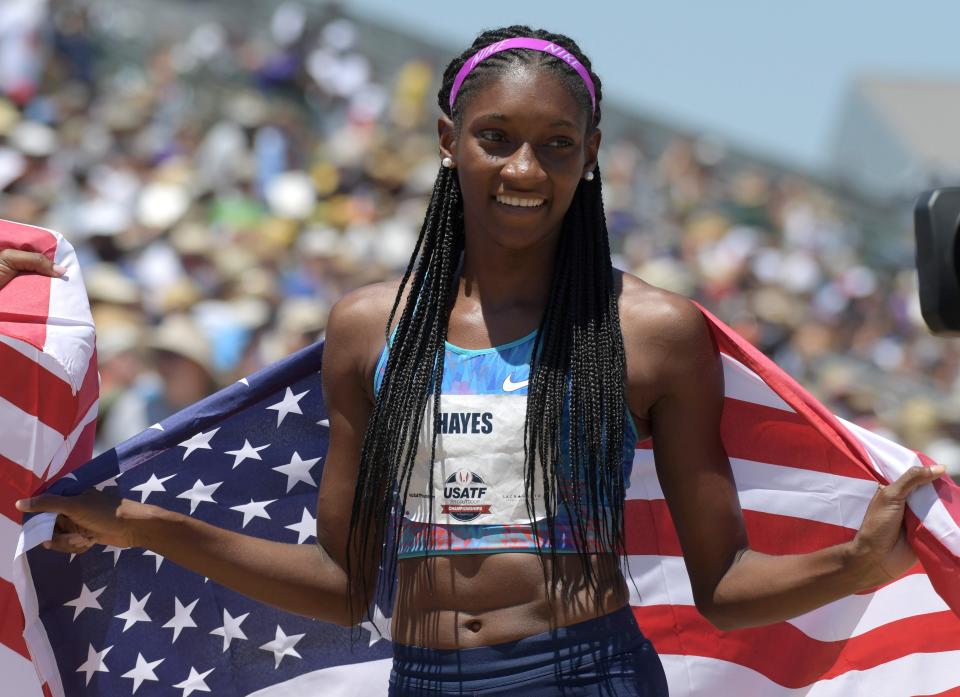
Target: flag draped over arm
x,y
804,479
116,622
48,409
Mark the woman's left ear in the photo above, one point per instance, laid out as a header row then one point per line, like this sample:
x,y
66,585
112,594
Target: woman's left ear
x,y
592,150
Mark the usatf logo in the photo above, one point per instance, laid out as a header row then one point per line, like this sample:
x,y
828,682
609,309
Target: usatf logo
x,y
467,489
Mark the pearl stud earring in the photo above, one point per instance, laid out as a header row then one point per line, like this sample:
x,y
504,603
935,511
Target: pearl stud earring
x,y
588,176
447,162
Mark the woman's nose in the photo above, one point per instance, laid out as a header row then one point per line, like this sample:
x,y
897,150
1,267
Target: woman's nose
x,y
523,166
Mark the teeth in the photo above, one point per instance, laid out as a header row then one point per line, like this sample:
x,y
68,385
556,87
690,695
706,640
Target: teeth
x,y
522,202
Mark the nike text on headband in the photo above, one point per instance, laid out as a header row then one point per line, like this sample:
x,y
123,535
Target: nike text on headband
x,y
532,44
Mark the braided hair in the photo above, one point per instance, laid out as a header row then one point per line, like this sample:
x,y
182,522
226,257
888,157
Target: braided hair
x,y
575,404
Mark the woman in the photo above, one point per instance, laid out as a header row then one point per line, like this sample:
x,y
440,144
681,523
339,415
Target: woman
x,y
550,366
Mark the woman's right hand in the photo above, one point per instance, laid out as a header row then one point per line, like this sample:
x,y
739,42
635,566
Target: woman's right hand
x,y
89,518
14,261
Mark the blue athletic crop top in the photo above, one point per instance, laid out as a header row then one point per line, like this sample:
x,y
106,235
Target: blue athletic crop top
x,y
478,488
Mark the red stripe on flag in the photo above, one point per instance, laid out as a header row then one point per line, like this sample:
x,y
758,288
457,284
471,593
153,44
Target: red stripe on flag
x,y
35,390
29,293
947,491
787,388
15,483
786,655
82,449
650,530
938,561
11,625
952,692
46,690
765,434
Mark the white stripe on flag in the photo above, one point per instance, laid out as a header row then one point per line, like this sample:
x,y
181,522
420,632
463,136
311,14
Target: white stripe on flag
x,y
848,617
34,632
892,460
9,535
739,382
63,454
768,488
664,581
916,674
367,678
70,333
19,676
48,363
26,440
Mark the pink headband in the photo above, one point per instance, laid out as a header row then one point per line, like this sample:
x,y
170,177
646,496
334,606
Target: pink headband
x,y
522,42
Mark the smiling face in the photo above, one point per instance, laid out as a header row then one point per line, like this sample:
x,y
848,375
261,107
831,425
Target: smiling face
x,y
521,150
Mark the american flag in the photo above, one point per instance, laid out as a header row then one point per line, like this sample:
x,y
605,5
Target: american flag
x,y
48,409
123,621
120,622
804,479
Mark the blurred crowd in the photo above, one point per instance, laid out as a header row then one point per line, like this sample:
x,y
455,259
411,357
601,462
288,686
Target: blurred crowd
x,y
226,187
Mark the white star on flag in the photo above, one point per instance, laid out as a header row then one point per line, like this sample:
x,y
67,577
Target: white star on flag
x,y
231,628
247,452
283,646
194,683
199,493
151,553
105,483
324,422
142,671
86,599
94,662
182,618
306,528
379,628
289,405
298,470
254,509
151,486
115,551
135,613
201,441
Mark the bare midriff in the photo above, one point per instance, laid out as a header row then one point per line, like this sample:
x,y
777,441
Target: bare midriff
x,y
448,602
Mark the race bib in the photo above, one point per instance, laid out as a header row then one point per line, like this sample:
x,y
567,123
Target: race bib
x,y
478,474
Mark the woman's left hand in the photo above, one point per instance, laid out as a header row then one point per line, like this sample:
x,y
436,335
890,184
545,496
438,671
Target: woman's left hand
x,y
880,552
15,261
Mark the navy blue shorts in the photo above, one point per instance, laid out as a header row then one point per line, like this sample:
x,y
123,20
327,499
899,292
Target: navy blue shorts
x,y
607,656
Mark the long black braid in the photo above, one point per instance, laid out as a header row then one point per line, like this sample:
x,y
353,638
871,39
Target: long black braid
x,y
576,374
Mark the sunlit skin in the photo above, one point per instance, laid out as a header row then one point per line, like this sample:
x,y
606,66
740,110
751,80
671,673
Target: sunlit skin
x,y
524,136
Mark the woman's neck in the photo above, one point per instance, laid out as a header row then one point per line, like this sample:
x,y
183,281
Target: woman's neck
x,y
497,278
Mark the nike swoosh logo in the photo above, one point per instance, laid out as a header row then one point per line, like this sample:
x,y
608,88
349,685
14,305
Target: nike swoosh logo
x,y
510,386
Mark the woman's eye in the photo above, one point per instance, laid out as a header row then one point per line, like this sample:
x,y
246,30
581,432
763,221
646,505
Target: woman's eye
x,y
560,143
494,136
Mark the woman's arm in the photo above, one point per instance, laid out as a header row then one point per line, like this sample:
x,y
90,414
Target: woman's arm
x,y
295,578
304,579
734,586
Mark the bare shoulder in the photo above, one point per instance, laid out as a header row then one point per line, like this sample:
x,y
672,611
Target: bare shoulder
x,y
365,306
357,325
652,314
666,340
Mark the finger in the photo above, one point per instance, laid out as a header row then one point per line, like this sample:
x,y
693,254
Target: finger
x,y
34,262
69,544
65,525
912,478
44,503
